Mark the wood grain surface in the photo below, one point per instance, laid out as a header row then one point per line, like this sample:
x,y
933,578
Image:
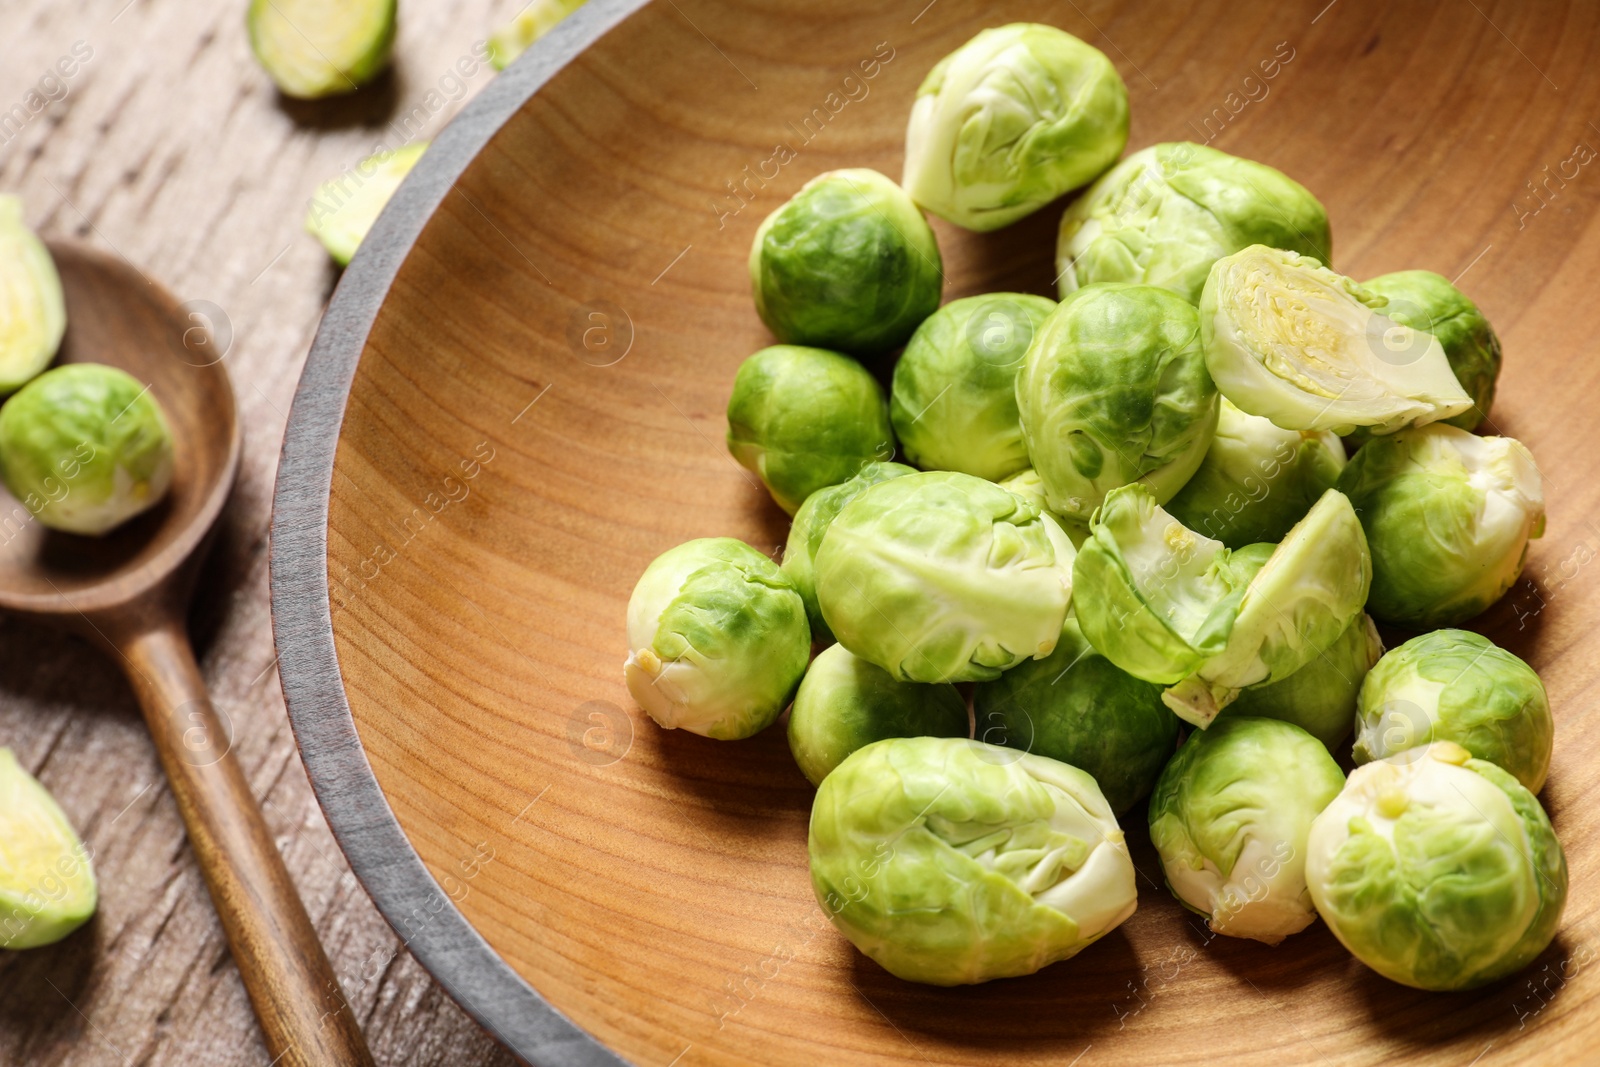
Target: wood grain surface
x,y
538,412
151,135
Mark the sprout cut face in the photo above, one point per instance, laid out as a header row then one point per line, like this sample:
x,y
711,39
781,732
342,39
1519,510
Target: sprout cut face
x,y
849,263
1292,341
1437,870
951,862
1453,685
954,401
1230,818
1320,697
535,20
341,217
33,311
1166,213
943,577
1011,120
47,886
1114,391
1449,516
845,703
803,419
718,639
1427,301
313,48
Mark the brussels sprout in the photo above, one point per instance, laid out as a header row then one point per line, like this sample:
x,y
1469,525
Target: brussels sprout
x,y
1078,707
1166,213
848,263
845,703
314,48
1290,340
1011,120
1452,685
341,217
47,886
1256,481
950,862
85,448
1114,390
943,577
1448,516
1437,870
1029,486
1427,301
717,637
33,311
812,521
1230,817
954,401
535,20
805,418
1320,697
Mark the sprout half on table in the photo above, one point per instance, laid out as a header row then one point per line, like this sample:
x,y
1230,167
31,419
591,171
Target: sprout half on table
x,y
314,49
33,310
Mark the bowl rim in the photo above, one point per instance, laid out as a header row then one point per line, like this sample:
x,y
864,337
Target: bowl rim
x,y
413,903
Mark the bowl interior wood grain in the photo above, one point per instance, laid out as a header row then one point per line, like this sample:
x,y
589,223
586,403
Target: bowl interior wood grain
x,y
538,412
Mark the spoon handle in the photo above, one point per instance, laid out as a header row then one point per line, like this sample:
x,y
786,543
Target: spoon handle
x,y
303,1013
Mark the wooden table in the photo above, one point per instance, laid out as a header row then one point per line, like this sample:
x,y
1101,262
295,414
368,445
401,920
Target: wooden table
x,y
168,145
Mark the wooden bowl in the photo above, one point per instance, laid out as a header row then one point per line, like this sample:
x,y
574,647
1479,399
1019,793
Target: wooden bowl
x,y
516,402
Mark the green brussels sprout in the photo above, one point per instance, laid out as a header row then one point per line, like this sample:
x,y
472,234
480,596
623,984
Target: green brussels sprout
x,y
1256,481
1452,685
1078,707
1029,486
1166,213
314,48
943,577
1437,870
1114,391
848,263
342,217
717,639
1230,818
1448,516
1011,120
812,521
1427,301
85,448
845,703
803,419
33,310
950,862
1290,340
47,885
535,20
1320,697
954,400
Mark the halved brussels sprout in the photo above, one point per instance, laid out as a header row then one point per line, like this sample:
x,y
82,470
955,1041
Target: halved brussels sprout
x,y
1011,120
1452,685
812,521
47,885
33,310
1166,213
314,48
845,703
1437,870
1448,516
1230,817
1427,301
717,637
950,862
1029,486
805,418
1320,697
85,448
1256,480
954,400
535,20
341,215
1078,707
1114,390
848,263
1290,340
943,577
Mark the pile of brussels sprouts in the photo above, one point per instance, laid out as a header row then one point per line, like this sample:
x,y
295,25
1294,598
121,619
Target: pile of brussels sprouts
x,y
1116,519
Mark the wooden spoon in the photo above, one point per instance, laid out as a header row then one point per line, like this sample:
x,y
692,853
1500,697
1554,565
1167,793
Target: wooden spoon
x,y
128,592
